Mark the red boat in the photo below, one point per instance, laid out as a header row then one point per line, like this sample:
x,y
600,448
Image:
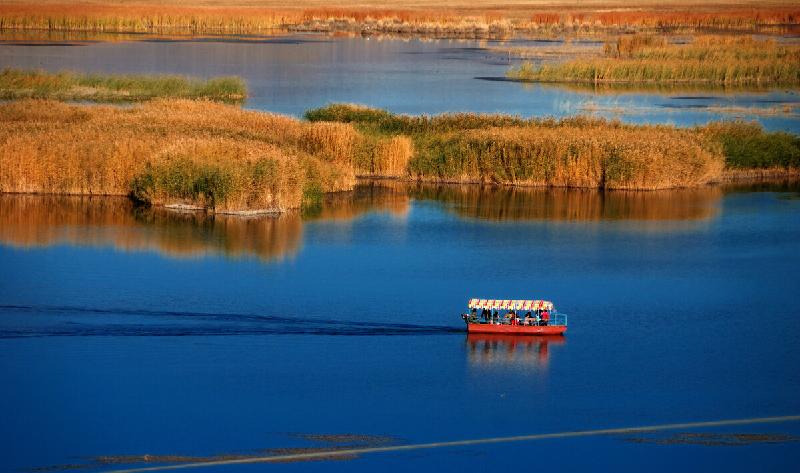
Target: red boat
x,y
514,317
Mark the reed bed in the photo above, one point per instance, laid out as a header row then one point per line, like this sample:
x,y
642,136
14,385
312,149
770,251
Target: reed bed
x,y
170,151
455,19
738,61
574,152
16,84
748,147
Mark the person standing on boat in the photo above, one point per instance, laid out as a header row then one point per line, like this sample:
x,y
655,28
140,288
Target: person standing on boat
x,y
545,317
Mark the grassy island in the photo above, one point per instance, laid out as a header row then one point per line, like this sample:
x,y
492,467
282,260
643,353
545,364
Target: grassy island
x,y
166,151
572,152
220,157
642,59
16,84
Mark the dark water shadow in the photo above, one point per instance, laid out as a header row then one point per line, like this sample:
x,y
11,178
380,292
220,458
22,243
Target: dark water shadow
x,y
708,439
96,322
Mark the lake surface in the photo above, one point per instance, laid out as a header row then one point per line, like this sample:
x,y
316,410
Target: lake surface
x,y
291,74
129,331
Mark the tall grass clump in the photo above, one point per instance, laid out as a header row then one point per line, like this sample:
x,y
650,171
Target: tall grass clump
x,y
502,149
168,151
568,156
719,60
747,146
16,84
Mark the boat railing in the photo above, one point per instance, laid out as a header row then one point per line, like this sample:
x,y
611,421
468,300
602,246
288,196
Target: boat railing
x,y
555,319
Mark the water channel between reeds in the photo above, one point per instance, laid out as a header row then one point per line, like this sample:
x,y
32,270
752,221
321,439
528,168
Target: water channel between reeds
x,y
294,73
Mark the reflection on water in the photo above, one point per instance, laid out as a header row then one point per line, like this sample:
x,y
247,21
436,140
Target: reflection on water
x,y
369,196
509,203
32,221
512,350
35,221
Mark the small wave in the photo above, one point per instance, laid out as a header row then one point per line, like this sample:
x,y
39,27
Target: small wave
x,y
205,324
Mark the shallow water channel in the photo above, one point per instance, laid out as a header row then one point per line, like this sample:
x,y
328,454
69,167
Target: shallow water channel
x,y
294,73
128,331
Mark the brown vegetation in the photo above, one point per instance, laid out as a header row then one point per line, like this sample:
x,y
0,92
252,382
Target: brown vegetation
x,y
431,18
573,152
65,85
165,151
724,60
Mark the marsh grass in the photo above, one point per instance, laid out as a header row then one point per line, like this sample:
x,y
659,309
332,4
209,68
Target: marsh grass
x,y
573,152
168,151
748,147
223,158
451,19
731,61
16,84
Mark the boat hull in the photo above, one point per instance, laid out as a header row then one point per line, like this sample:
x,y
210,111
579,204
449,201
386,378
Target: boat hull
x,y
517,329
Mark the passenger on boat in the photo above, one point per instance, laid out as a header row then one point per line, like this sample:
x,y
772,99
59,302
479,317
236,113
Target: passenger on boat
x,y
496,318
528,318
545,317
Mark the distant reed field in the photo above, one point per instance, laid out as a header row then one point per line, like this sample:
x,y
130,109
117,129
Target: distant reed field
x,y
454,19
16,83
723,60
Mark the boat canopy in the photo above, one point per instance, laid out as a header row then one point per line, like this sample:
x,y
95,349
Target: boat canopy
x,y
500,304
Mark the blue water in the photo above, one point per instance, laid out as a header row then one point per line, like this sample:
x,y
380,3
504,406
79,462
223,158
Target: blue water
x,y
129,333
296,73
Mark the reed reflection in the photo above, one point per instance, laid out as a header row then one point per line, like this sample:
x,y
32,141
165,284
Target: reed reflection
x,y
521,204
510,350
38,221
28,221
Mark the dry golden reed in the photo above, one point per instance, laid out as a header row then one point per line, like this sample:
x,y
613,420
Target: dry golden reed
x,y
169,151
569,156
385,157
572,152
462,19
719,60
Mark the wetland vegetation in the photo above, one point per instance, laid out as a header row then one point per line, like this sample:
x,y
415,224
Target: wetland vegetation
x,y
220,157
66,85
453,18
706,59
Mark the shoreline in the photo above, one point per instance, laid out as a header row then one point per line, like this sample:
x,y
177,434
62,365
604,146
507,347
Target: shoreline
x,y
729,177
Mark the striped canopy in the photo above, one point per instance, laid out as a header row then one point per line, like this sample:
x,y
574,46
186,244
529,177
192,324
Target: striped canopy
x,y
501,304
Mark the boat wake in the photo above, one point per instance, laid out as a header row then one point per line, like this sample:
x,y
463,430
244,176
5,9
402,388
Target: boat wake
x,y
23,321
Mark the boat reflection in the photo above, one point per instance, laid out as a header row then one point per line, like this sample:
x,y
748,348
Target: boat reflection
x,y
513,350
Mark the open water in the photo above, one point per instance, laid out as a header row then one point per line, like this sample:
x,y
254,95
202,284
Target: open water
x,y
127,332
